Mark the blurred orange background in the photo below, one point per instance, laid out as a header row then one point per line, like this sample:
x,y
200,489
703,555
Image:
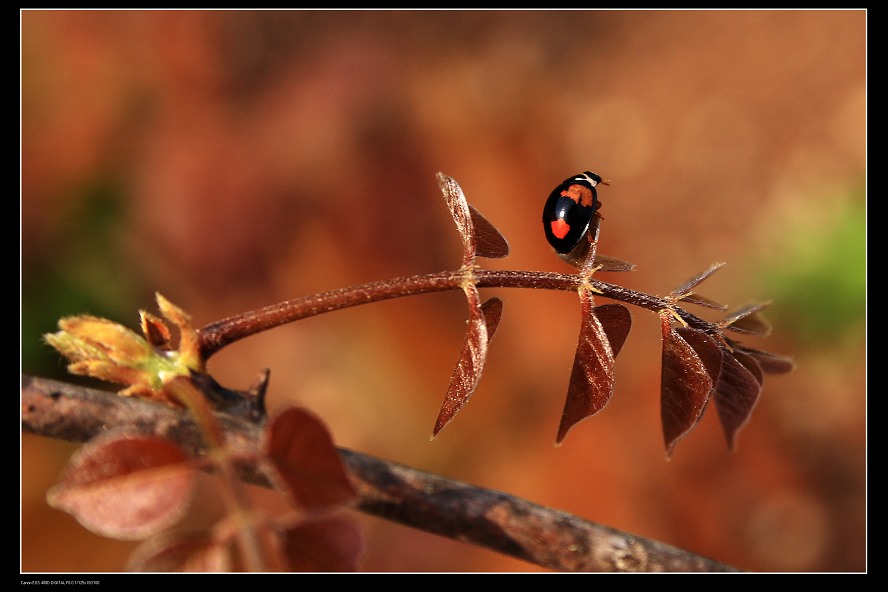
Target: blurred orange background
x,y
233,159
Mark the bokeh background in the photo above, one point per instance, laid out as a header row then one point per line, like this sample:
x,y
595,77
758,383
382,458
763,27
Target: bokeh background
x,y
235,159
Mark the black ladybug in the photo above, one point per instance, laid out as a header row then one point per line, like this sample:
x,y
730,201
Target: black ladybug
x,y
569,210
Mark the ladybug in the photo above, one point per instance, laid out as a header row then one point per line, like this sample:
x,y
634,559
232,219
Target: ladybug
x,y
569,210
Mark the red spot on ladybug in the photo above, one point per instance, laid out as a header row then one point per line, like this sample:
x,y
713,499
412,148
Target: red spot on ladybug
x,y
560,228
569,210
580,194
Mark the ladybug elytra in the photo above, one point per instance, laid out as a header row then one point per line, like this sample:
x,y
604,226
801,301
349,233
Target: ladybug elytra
x,y
569,210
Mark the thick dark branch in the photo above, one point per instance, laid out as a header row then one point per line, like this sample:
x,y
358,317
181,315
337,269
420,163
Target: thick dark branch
x,y
491,519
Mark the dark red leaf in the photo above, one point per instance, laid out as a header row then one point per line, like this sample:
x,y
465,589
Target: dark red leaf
x,y
616,321
459,209
706,348
690,369
493,312
490,241
751,364
606,263
126,487
736,395
592,377
483,321
700,300
479,236
695,281
181,553
301,449
333,544
748,320
770,363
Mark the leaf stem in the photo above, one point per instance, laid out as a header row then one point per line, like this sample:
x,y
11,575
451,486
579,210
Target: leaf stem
x,y
215,336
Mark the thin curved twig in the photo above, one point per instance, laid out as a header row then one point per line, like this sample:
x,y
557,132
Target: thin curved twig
x,y
488,518
215,336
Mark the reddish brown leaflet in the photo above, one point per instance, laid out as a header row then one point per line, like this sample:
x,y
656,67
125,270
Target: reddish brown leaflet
x,y
748,320
489,242
483,322
181,552
326,545
737,393
602,334
126,487
690,367
769,363
690,370
697,367
301,450
480,238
